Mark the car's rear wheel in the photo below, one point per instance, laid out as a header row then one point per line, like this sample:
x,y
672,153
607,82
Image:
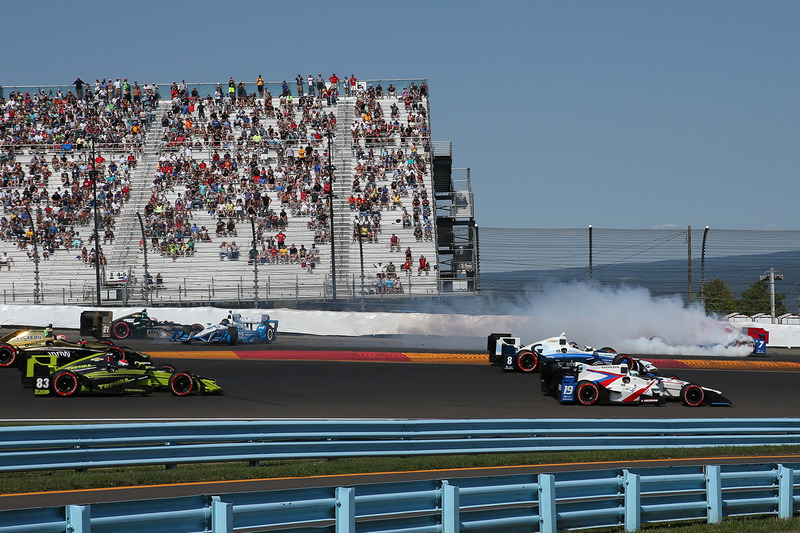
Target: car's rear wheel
x,y
607,349
166,368
527,361
692,395
197,328
181,383
625,359
122,330
65,383
587,393
8,355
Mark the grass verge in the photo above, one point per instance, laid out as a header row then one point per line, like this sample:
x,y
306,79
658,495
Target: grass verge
x,y
57,480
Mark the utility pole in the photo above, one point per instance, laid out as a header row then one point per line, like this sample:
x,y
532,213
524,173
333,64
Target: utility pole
x,y
689,241
772,276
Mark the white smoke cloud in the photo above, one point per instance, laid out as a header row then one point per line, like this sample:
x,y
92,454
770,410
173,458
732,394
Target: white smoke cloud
x,y
629,319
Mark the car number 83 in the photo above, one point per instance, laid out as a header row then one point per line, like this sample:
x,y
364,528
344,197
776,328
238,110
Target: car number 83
x,y
42,383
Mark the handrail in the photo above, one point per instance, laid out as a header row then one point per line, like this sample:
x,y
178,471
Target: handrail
x,y
25,448
546,502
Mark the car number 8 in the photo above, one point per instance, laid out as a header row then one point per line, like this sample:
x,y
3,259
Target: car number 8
x,y
510,361
43,383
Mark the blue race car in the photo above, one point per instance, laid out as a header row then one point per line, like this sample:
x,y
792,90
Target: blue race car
x,y
233,329
511,354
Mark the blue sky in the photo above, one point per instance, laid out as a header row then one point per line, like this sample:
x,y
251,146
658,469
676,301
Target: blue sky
x,y
619,114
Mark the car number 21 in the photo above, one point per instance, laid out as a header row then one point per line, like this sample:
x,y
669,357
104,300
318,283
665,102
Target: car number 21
x,y
42,383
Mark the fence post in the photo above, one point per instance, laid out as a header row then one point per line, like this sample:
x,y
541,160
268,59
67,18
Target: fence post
x,y
547,503
633,509
451,521
79,519
221,516
345,510
714,493
785,492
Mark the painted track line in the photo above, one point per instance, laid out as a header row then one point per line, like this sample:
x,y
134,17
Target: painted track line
x,y
454,358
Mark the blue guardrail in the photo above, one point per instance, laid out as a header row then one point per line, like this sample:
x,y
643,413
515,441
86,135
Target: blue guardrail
x,y
528,502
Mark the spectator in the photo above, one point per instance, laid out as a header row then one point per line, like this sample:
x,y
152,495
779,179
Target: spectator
x,y
6,259
223,251
394,243
233,251
423,265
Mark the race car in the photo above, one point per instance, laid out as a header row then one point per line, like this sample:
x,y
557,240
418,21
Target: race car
x,y
140,325
113,373
586,384
232,329
57,356
509,352
12,344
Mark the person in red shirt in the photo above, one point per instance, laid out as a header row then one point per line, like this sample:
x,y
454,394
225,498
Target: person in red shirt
x,y
423,265
352,82
334,82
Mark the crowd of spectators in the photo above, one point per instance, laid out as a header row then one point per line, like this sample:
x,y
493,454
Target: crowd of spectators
x,y
259,161
55,185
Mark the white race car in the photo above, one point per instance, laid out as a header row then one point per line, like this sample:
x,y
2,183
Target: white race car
x,y
591,384
509,352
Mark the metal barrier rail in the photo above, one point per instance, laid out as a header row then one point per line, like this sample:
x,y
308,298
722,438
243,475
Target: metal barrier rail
x,y
25,448
525,502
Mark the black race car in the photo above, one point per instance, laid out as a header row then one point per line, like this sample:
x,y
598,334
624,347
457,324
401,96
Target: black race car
x,y
140,325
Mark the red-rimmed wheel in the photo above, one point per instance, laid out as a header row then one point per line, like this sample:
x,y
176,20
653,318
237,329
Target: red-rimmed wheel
x,y
607,349
692,395
625,359
65,384
181,383
197,328
527,361
122,330
8,355
587,393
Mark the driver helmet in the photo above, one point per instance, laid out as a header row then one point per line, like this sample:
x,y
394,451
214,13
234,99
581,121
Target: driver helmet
x,y
61,337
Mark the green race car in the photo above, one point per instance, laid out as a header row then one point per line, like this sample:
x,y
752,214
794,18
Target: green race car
x,y
115,371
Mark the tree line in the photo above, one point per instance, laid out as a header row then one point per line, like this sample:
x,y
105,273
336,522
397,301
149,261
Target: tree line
x,y
719,298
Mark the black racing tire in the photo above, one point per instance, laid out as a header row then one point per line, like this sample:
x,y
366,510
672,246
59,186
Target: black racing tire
x,y
8,355
587,393
270,334
624,359
692,395
527,361
121,330
196,328
607,349
181,383
166,368
65,384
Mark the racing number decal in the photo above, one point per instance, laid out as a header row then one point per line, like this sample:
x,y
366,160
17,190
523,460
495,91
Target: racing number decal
x,y
567,390
42,383
509,361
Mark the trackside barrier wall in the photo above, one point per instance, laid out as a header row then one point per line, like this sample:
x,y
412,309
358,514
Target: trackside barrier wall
x,y
526,502
27,448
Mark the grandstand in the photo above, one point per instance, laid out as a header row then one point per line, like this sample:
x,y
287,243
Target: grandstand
x,y
194,167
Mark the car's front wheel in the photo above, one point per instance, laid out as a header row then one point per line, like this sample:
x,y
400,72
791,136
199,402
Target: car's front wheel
x,y
181,383
624,359
692,395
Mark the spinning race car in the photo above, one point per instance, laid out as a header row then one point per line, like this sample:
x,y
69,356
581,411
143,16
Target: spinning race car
x,y
586,384
232,329
116,371
140,325
509,352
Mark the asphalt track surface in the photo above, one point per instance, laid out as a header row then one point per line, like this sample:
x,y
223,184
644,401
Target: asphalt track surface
x,y
382,377
391,380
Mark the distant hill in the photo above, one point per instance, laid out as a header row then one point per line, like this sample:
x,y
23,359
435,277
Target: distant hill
x,y
662,277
